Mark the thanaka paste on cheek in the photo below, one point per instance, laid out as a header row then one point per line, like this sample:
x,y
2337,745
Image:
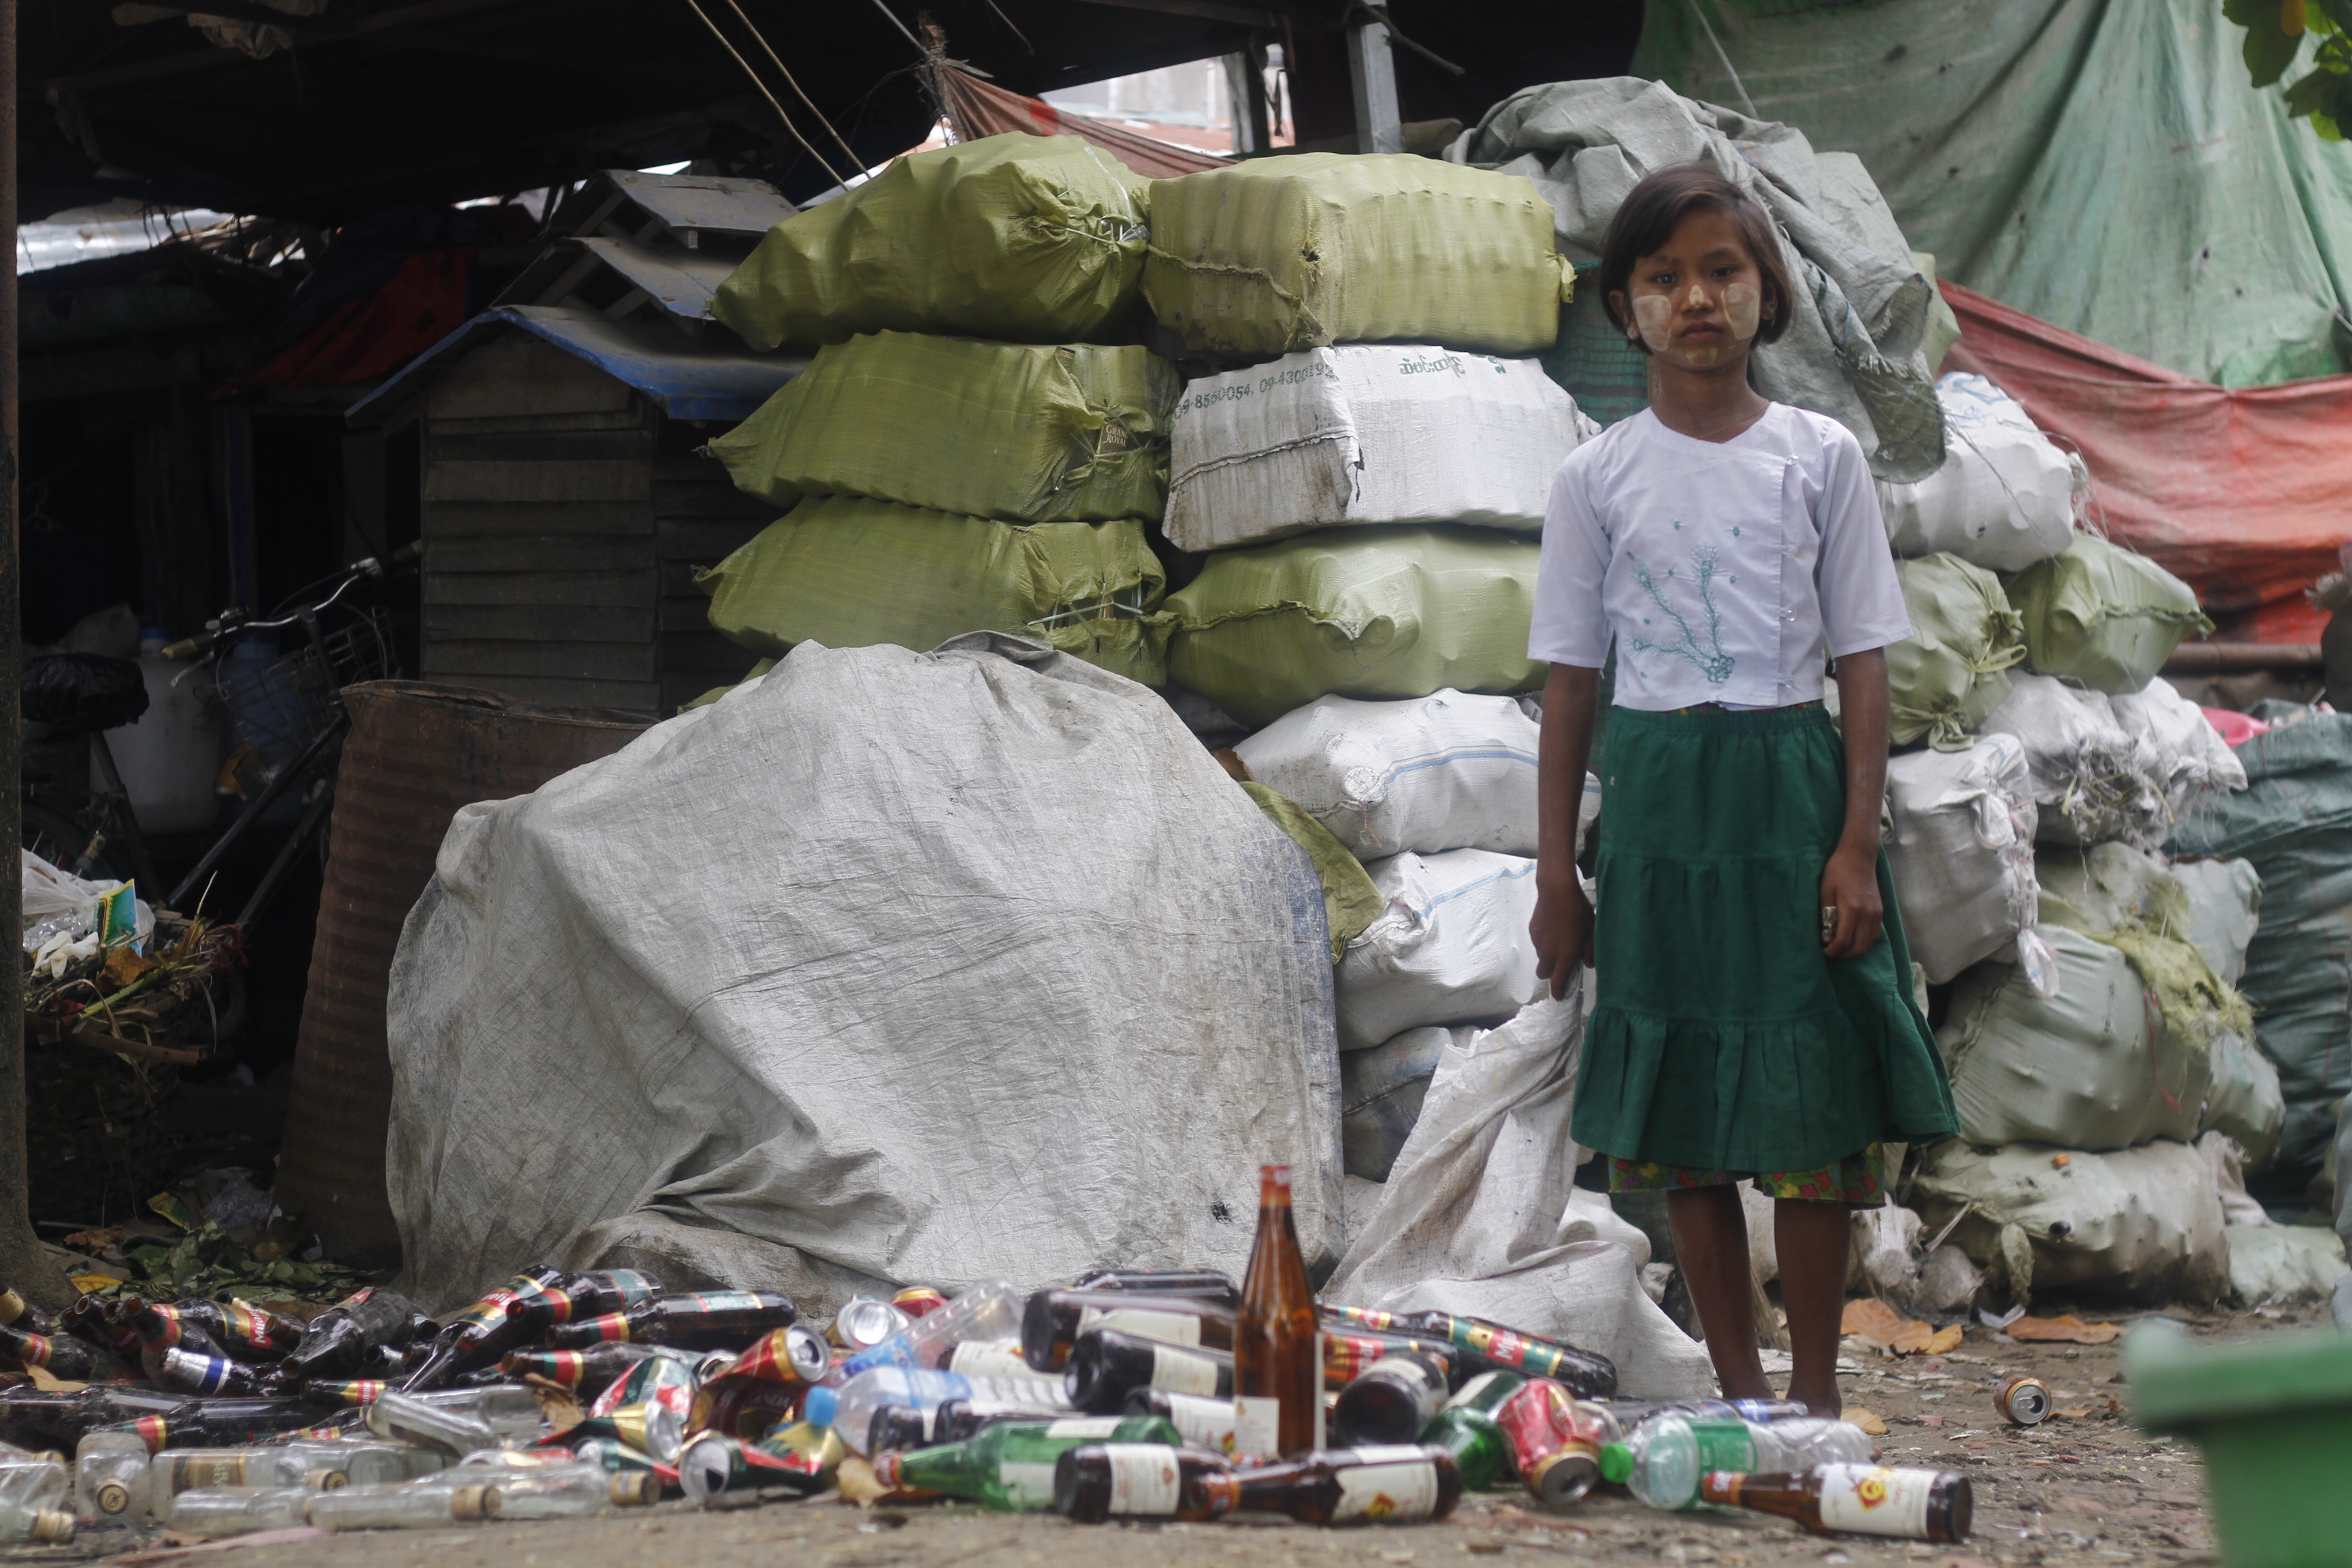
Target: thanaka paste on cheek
x,y
1654,313
1744,304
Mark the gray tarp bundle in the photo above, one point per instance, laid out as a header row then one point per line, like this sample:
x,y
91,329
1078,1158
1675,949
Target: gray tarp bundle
x,y
1856,347
884,967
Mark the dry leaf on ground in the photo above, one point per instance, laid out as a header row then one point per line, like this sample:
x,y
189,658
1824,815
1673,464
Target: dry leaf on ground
x,y
2068,1330
1874,1323
556,1405
1869,1421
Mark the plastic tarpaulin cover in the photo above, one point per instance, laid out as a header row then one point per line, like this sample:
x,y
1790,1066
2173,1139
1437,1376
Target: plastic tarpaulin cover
x,y
1033,240
845,571
1855,345
1020,432
884,967
1481,1215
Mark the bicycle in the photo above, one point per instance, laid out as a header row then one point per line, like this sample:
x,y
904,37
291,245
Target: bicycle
x,y
291,705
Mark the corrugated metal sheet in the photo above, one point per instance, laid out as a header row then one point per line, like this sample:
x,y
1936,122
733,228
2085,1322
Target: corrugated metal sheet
x,y
674,279
706,203
416,753
711,378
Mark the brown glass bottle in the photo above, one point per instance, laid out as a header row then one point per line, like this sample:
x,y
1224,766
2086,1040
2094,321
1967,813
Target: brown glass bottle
x,y
68,1359
1394,1398
1053,1319
1141,1480
1107,1366
1278,1358
479,1334
18,1313
359,1336
580,1297
716,1319
1397,1484
1482,1346
585,1373
103,1322
240,1328
1860,1499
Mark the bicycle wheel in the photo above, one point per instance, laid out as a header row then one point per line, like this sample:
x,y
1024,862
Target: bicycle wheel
x,y
59,839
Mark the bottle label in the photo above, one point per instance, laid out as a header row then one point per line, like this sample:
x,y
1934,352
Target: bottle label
x,y
1386,1492
1144,1479
1724,1445
1166,1328
1257,1425
1207,1423
1872,1500
990,1358
192,1471
1182,1373
1028,1484
1085,1429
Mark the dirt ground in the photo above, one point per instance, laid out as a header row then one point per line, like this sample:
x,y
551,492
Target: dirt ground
x,y
2086,1487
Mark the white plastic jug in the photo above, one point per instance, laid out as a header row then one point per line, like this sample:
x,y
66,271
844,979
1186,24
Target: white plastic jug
x,y
169,758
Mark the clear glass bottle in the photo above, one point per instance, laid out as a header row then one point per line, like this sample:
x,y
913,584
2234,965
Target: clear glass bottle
x,y
110,1477
573,1491
409,1420
850,1408
213,1512
427,1507
36,1502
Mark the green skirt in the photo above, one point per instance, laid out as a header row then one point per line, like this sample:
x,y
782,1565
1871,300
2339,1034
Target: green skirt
x,y
1721,1038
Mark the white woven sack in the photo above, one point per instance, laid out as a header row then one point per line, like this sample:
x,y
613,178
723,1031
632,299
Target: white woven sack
x,y
1448,771
1482,1215
1366,433
2005,497
2187,755
1962,854
2094,781
1451,946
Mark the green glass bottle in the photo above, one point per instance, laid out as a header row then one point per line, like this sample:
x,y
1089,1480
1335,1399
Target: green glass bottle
x,y
1480,1452
1010,1466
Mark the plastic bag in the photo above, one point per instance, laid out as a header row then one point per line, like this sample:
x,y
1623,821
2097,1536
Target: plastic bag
x,y
1482,1215
1451,946
1449,770
1279,253
2102,616
1033,240
847,572
1016,432
83,690
1367,434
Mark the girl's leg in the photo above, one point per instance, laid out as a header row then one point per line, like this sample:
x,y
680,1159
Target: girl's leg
x,y
1813,1238
1711,1243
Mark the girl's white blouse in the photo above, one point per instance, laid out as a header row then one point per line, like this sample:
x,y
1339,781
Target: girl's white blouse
x,y
1723,571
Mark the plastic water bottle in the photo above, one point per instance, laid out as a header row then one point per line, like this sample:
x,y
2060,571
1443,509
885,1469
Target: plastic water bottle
x,y
991,1309
850,1409
1663,1460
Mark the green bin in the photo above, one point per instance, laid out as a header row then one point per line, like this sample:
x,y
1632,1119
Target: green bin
x,y
2275,1420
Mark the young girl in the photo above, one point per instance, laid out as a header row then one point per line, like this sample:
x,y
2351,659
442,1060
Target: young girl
x,y
1754,1015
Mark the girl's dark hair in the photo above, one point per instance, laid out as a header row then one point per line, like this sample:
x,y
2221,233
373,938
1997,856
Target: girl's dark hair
x,y
1648,217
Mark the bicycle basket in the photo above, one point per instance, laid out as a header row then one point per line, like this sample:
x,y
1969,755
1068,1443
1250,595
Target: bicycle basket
x,y
276,705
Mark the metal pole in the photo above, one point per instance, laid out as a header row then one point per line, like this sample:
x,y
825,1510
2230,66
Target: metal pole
x,y
1245,87
25,1264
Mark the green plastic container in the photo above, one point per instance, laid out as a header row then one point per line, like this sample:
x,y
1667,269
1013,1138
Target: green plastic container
x,y
2275,1419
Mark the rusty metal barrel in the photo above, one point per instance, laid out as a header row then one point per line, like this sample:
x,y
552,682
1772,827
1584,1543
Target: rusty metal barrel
x,y
416,754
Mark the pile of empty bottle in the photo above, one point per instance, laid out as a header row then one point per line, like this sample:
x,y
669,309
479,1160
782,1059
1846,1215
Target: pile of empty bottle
x,y
1125,1393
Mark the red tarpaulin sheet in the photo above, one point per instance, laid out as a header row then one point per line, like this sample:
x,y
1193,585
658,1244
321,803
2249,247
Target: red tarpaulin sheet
x,y
2243,493
976,108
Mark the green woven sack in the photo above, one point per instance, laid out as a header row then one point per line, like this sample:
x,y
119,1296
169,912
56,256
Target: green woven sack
x,y
2102,616
1034,239
1358,612
1946,676
1017,431
1280,254
847,572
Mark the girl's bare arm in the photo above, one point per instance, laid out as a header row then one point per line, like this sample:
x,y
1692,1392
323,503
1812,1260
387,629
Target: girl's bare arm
x,y
1850,881
1562,926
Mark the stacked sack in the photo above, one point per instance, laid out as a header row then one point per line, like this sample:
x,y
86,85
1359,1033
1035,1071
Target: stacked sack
x,y
1369,492
1437,797
958,456
2092,1028
1368,496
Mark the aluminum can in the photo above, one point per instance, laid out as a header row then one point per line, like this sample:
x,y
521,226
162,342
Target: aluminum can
x,y
2025,1401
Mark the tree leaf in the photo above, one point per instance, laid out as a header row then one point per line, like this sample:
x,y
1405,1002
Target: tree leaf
x,y
2246,13
2313,92
2269,51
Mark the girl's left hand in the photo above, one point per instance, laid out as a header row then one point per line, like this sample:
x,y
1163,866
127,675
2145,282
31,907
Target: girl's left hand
x,y
1850,886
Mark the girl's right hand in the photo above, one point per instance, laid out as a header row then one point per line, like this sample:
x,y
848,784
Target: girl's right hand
x,y
1562,930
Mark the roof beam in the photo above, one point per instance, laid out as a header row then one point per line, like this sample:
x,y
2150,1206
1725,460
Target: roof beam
x,y
206,58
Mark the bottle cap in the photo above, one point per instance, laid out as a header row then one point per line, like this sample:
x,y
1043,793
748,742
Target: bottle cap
x,y
1616,1463
474,1502
817,1409
53,1524
113,1497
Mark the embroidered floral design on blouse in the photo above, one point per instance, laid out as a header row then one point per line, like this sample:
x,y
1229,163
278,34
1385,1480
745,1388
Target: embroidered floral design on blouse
x,y
1712,661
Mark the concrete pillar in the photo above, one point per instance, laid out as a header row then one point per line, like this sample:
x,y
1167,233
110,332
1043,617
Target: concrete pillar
x,y
1372,72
